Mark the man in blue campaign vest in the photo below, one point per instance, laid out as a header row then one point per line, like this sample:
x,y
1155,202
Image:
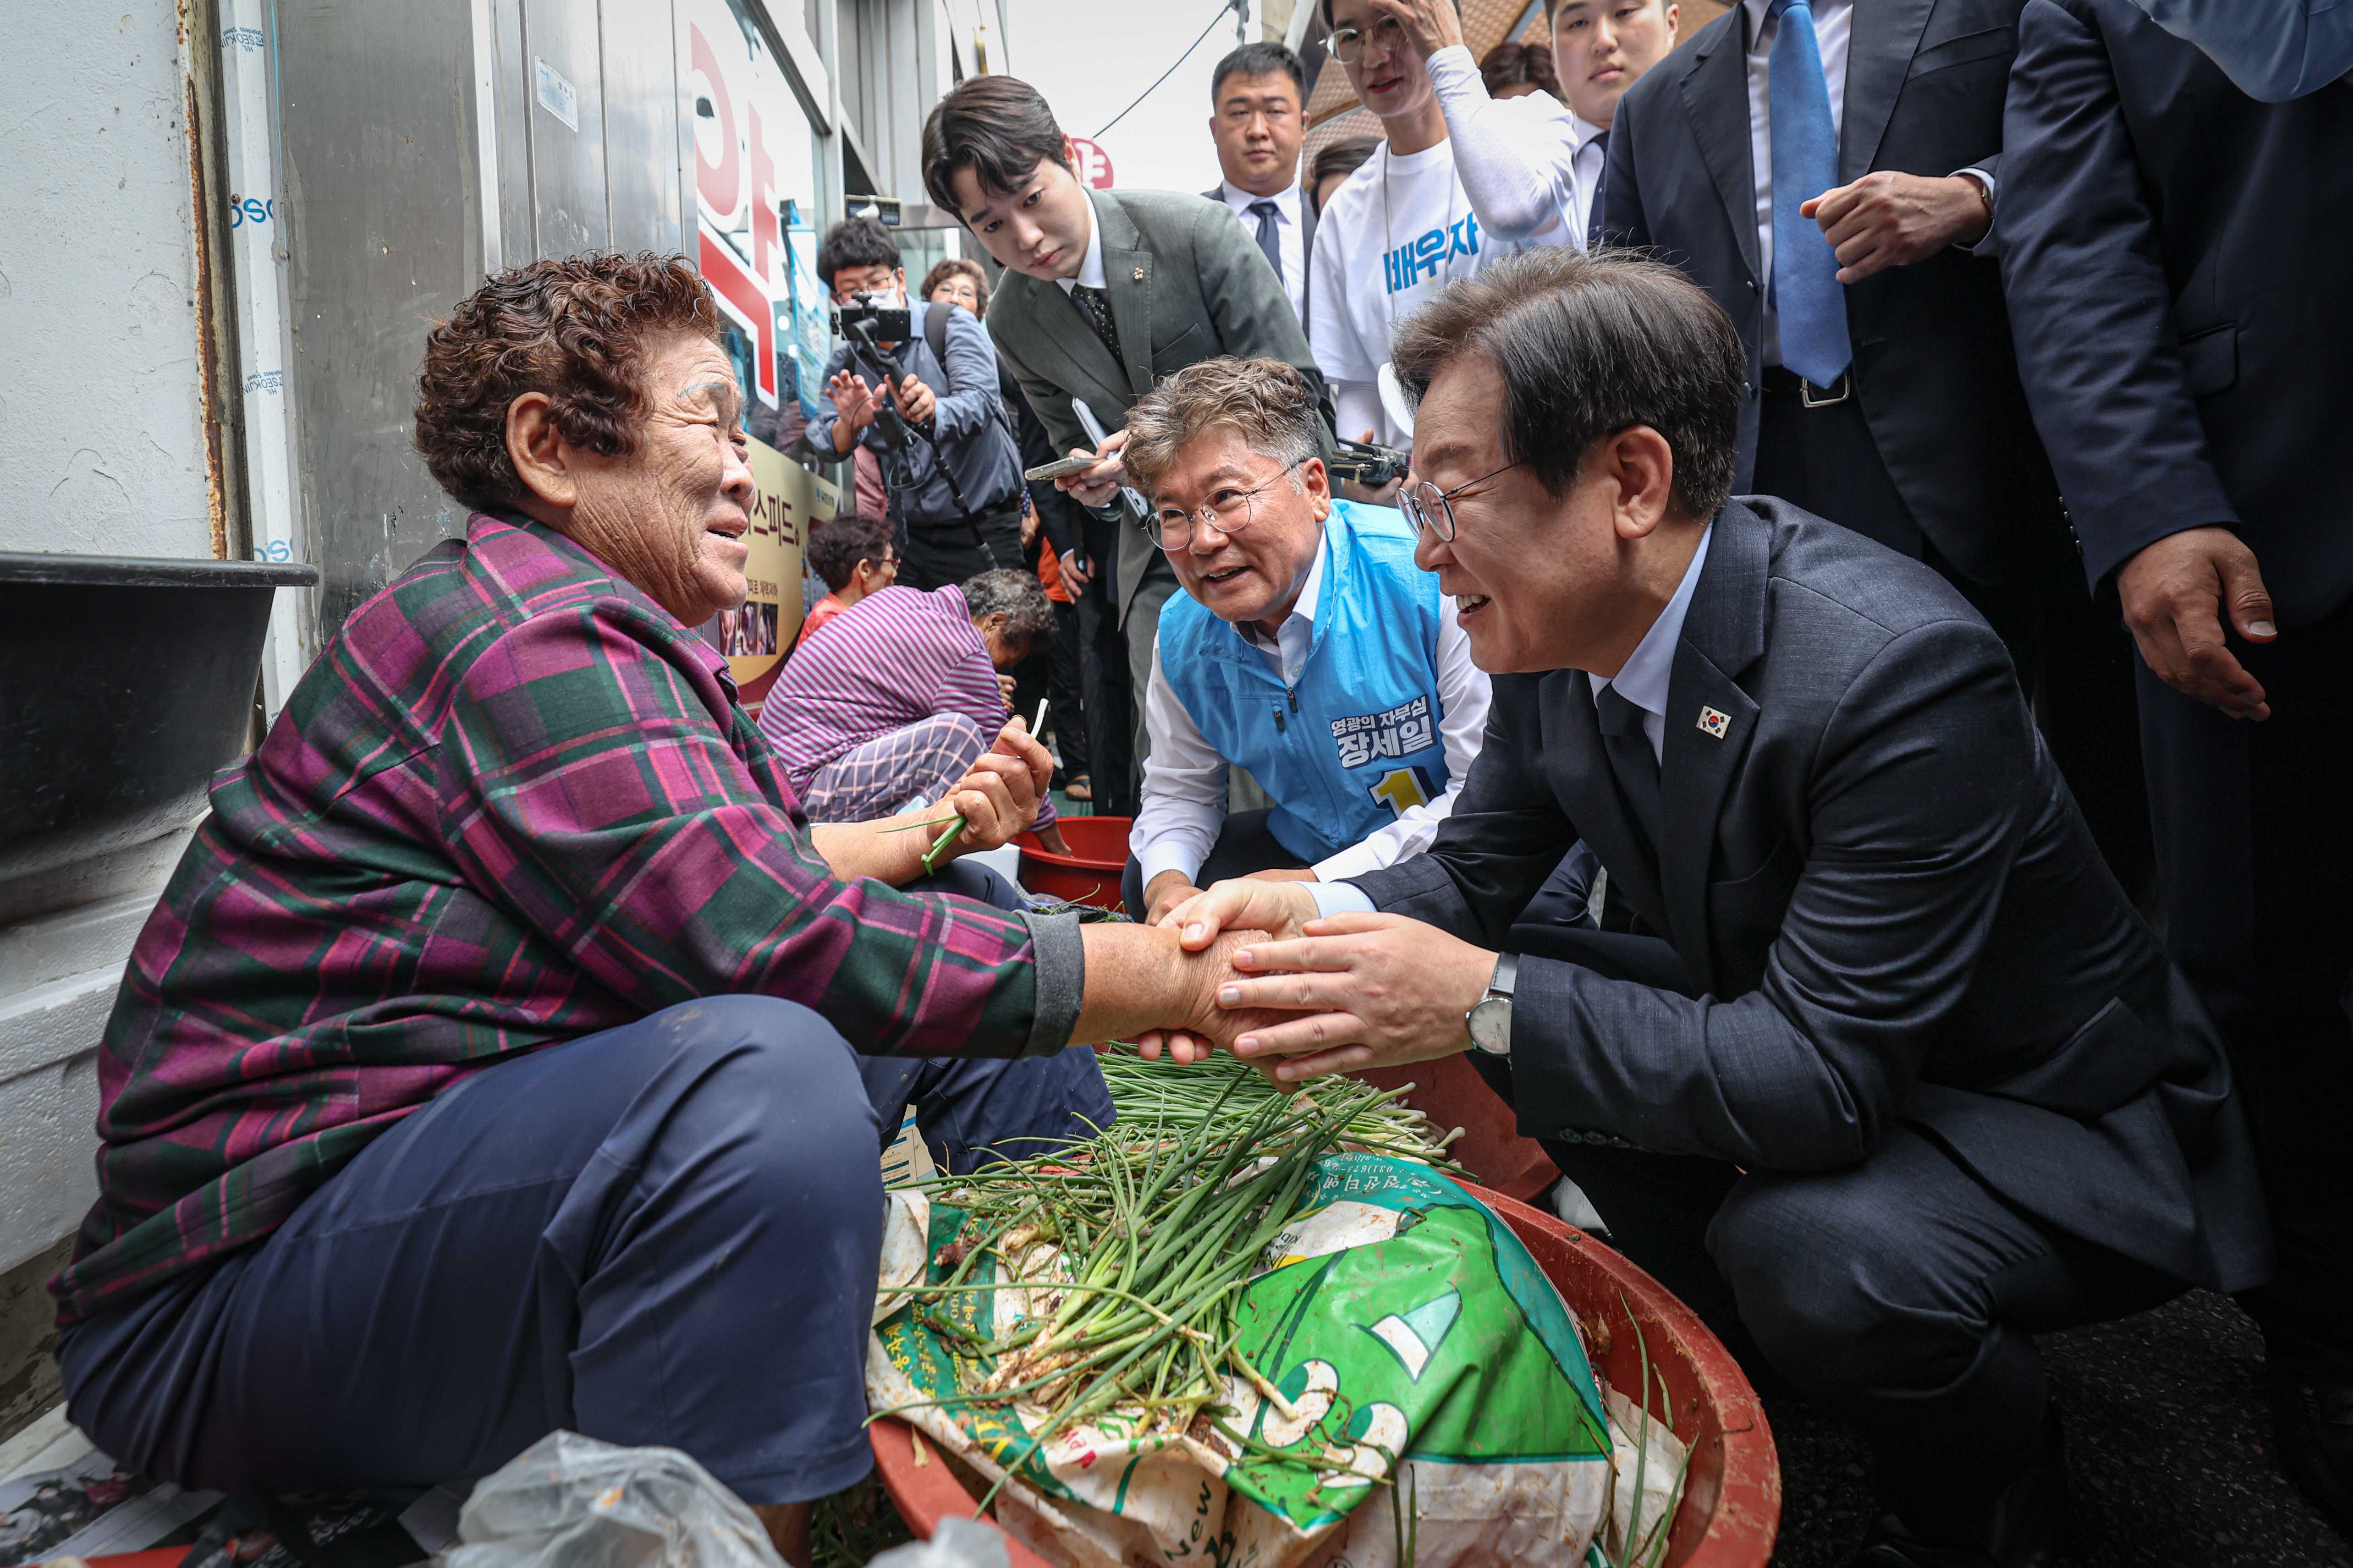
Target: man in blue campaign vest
x,y
1307,648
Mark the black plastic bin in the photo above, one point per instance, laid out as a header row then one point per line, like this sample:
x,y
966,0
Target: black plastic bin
x,y
124,685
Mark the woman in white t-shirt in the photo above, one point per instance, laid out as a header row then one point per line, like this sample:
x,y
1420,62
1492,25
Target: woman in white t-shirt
x,y
1461,181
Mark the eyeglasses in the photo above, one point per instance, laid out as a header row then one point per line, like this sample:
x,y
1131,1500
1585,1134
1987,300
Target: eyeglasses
x,y
1426,506
1230,510
1347,44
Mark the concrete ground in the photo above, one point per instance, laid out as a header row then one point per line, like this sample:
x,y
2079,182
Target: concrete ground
x,y
2169,1438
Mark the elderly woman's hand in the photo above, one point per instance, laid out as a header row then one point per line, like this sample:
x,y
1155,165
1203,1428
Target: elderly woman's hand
x,y
999,796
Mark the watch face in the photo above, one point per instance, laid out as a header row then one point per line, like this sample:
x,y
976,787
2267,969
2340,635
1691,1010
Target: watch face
x,y
1491,1025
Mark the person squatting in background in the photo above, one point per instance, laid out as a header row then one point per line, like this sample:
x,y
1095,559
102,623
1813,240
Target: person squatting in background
x,y
901,692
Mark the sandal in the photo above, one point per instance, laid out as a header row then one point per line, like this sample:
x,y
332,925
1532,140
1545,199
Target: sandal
x,y
1080,788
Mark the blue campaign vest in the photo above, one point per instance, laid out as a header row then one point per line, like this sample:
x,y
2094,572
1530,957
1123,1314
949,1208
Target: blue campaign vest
x,y
1357,740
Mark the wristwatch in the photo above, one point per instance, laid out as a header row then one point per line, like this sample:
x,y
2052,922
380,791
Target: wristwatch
x,y
1491,1021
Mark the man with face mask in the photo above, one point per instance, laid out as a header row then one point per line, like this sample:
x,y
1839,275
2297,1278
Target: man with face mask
x,y
955,478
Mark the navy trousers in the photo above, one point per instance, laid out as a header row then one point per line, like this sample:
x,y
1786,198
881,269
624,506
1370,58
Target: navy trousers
x,y
663,1234
1903,1290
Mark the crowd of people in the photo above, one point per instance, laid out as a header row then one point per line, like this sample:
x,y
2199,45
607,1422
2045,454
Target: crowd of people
x,y
1842,720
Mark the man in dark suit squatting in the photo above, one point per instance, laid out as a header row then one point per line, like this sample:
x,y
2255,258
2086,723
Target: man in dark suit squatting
x,y
1890,1076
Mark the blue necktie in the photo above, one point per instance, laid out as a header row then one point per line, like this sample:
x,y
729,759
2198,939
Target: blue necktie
x,y
1807,294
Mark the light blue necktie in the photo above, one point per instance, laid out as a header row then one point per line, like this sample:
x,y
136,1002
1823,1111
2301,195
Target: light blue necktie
x,y
1807,294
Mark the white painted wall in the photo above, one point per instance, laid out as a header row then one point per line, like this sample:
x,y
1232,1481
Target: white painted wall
x,y
102,452
101,435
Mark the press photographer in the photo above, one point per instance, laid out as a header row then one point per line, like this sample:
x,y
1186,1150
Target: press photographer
x,y
917,385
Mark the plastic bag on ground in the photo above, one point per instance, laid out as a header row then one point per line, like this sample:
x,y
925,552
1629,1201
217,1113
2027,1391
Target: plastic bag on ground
x,y
569,1501
956,1544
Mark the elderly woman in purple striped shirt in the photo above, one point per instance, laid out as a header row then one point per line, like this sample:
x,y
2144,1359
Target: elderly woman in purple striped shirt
x,y
508,1051
889,711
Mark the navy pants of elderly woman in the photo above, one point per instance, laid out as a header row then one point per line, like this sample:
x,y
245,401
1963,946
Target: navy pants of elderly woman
x,y
663,1234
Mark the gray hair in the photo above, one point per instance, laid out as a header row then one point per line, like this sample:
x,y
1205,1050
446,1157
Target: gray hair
x,y
1588,346
1265,402
1018,595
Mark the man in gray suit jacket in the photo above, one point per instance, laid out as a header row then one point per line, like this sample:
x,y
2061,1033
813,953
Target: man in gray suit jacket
x,y
1887,1074
1107,291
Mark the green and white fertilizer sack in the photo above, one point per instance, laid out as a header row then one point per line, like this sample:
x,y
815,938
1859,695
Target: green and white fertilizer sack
x,y
1395,1317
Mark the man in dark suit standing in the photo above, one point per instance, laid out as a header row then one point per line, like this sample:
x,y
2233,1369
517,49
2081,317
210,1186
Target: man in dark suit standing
x,y
1823,170
1818,168
1106,292
1902,1079
2189,373
1258,117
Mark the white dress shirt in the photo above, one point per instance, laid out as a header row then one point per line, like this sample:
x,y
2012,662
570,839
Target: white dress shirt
x,y
1587,169
1643,681
1091,268
1290,237
1184,778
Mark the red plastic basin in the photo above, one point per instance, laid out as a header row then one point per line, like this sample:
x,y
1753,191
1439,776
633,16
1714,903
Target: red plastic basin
x,y
1090,873
1731,1507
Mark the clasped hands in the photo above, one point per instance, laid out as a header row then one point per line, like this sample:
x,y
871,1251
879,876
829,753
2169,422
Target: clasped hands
x,y
1302,994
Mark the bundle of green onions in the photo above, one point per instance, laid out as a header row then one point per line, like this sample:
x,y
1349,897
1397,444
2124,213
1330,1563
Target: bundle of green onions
x,y
1131,1249
1148,1094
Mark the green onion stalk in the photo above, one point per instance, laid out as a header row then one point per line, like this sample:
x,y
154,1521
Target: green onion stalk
x,y
1131,1249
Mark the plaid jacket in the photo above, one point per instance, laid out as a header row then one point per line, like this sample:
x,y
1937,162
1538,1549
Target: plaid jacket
x,y
514,801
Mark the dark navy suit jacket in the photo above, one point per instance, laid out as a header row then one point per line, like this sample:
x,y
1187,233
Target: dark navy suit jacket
x,y
1888,904
2177,256
1933,369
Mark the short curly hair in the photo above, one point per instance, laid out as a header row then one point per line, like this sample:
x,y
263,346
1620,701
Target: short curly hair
x,y
576,328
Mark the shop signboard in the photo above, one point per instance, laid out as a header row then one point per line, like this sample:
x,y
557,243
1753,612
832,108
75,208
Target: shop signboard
x,y
753,173
755,180
754,637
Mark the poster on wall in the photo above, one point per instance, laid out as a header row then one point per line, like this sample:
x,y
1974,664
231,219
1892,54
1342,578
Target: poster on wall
x,y
755,180
754,637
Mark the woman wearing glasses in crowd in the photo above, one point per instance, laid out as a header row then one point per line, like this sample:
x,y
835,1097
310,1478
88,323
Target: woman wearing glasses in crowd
x,y
1307,648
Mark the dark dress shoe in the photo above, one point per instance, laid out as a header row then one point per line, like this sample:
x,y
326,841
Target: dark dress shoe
x,y
2024,1527
2315,1426
1891,1545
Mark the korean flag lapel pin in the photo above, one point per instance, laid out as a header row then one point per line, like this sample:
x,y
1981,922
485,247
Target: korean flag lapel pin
x,y
1714,722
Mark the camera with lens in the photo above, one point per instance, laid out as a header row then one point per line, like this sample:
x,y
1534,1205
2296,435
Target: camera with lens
x,y
1369,465
866,317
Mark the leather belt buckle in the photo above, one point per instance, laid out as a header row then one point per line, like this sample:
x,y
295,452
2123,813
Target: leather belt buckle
x,y
1832,396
